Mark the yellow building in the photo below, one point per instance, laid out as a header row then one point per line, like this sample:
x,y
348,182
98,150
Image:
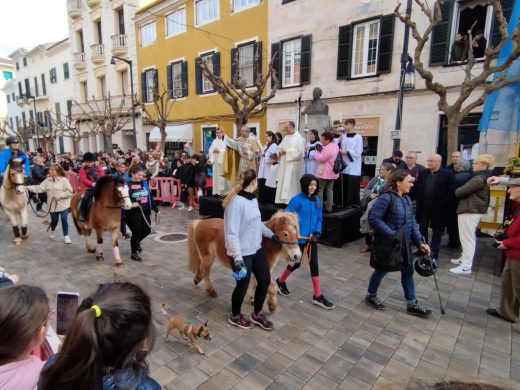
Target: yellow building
x,y
172,35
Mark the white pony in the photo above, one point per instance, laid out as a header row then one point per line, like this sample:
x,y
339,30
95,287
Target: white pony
x,y
13,199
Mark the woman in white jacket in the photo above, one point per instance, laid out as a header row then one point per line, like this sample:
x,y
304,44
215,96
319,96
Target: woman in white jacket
x,y
59,191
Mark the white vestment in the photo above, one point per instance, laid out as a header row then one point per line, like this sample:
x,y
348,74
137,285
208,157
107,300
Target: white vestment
x,y
291,166
220,184
247,149
354,147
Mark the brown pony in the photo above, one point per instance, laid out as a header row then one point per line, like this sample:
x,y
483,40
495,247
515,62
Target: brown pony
x,y
110,195
13,198
206,241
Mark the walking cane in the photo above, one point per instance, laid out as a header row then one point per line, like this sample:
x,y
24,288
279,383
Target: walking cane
x,y
436,285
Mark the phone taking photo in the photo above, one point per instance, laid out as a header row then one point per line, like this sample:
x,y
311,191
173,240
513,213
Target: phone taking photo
x,y
67,306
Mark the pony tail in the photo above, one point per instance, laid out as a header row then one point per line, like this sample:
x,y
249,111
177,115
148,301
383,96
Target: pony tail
x,y
234,191
79,371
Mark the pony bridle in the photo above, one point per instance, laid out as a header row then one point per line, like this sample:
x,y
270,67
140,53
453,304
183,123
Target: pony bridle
x,y
290,243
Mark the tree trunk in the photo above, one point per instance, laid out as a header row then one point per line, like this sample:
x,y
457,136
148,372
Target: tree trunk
x,y
453,132
107,141
162,144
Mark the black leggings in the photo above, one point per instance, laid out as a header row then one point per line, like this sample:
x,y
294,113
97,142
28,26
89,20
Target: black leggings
x,y
313,264
139,228
257,264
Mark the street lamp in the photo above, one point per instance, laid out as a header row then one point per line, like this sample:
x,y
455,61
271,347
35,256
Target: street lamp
x,y
406,80
129,62
27,97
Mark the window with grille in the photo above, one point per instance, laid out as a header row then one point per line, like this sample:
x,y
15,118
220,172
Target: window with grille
x,y
147,34
206,11
207,86
242,4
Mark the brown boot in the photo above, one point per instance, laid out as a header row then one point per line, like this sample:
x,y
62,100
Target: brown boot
x,y
365,249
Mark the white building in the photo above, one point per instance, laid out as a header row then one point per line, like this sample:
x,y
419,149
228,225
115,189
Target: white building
x,y
6,74
352,49
42,87
98,30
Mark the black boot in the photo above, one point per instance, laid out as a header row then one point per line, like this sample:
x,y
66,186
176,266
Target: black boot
x,y
135,257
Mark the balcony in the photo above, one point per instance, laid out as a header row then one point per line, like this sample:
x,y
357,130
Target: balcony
x,y
78,61
119,46
118,105
74,8
97,53
93,3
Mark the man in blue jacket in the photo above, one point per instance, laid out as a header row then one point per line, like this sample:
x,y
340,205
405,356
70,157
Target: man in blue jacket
x,y
11,153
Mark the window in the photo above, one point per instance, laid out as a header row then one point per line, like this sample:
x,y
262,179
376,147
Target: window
x,y
203,85
149,84
177,79
365,49
53,75
69,108
206,11
147,34
7,75
66,73
17,66
58,109
176,22
364,52
8,99
99,33
13,97
247,66
457,18
241,4
291,62
24,119
121,20
11,122
25,61
44,87
20,91
27,87
209,133
36,89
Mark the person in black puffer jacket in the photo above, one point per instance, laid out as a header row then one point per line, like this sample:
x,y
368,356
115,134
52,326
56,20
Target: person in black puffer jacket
x,y
386,223
38,175
473,203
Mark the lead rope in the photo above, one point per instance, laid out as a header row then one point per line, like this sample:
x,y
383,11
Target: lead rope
x,y
152,230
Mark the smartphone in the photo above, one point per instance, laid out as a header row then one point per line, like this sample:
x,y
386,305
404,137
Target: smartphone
x,y
67,306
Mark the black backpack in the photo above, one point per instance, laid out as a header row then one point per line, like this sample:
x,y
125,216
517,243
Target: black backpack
x,y
339,164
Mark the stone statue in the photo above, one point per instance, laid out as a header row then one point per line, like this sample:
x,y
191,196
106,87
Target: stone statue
x,y
317,106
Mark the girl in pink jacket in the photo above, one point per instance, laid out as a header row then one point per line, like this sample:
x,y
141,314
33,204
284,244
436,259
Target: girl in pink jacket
x,y
325,156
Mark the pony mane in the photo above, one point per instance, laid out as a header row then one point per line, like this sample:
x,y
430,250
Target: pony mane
x,y
101,184
288,215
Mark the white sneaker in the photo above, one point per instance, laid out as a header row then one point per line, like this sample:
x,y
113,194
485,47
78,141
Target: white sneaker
x,y
190,208
52,234
461,270
182,207
67,240
456,261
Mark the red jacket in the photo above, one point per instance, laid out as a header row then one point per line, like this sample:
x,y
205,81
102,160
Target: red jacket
x,y
86,178
512,243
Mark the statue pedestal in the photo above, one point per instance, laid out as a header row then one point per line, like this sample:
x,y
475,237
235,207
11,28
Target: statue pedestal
x,y
319,122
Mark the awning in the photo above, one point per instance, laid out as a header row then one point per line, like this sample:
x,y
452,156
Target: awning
x,y
174,133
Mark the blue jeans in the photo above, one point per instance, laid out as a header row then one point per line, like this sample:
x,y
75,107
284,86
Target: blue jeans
x,y
406,282
64,224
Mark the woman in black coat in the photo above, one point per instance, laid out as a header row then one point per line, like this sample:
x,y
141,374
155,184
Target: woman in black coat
x,y
38,175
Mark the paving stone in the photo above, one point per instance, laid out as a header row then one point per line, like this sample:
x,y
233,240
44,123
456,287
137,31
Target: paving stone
x,y
287,381
353,383
366,370
254,381
398,372
336,368
224,379
294,349
320,382
244,364
163,375
215,363
188,380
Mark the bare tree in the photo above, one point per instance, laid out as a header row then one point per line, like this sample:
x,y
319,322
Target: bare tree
x,y
23,132
473,82
162,106
106,116
244,101
65,126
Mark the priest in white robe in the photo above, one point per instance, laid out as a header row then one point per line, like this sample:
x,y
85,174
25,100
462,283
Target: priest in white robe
x,y
290,155
216,157
246,146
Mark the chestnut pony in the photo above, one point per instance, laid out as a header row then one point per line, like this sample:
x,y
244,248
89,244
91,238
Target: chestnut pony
x,y
110,195
206,241
13,198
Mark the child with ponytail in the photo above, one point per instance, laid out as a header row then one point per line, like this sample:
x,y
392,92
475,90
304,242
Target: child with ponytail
x,y
106,344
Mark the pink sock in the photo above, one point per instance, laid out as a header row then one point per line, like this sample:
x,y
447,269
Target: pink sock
x,y
316,285
285,275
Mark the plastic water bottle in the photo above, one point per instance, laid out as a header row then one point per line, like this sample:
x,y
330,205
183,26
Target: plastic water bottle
x,y
240,274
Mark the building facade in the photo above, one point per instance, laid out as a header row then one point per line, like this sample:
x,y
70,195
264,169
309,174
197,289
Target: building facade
x,y
6,75
352,52
99,30
41,88
173,35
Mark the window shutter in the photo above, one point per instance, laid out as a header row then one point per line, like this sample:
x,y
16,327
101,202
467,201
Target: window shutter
x,y
440,40
169,81
155,82
234,67
143,87
184,76
257,65
275,55
507,9
386,40
216,64
305,67
344,52
20,92
198,76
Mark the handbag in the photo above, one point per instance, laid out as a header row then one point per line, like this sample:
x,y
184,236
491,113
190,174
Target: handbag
x,y
387,252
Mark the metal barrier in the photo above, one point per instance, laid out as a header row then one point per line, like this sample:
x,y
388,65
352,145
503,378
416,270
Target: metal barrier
x,y
166,189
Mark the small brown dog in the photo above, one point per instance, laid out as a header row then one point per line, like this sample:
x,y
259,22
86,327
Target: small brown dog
x,y
189,330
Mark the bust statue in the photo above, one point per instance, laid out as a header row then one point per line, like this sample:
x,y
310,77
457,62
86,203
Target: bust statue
x,y
317,106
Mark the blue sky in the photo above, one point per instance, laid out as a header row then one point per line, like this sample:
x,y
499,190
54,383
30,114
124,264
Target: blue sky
x,y
27,23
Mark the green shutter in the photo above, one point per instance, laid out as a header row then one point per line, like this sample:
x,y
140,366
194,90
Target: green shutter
x,y
440,38
198,76
386,40
169,81
276,55
257,65
344,52
184,78
305,65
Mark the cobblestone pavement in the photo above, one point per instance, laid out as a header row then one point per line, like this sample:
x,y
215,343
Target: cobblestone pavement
x,y
351,347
